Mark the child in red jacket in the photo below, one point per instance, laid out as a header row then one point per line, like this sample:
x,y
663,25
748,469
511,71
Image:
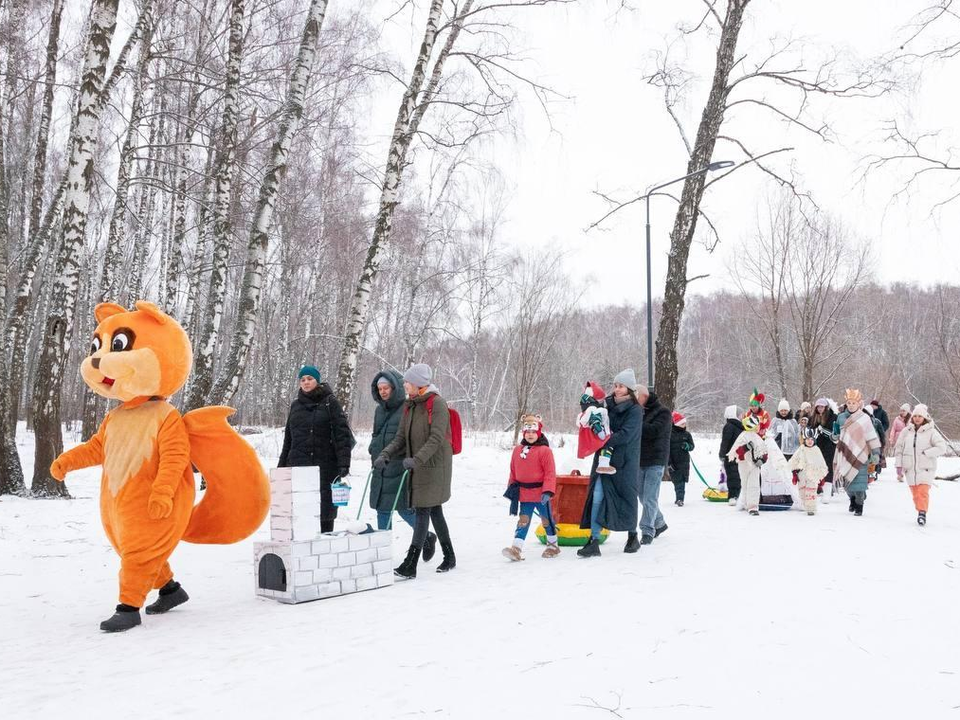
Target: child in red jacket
x,y
533,481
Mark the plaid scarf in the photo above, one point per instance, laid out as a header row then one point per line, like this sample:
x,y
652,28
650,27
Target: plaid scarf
x,y
858,439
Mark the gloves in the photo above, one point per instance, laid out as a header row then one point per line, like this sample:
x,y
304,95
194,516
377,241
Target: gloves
x,y
380,463
760,461
57,470
686,446
160,504
596,424
796,477
545,498
741,452
344,472
409,463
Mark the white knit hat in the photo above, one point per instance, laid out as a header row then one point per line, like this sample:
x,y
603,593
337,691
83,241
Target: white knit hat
x,y
905,407
784,405
804,406
922,411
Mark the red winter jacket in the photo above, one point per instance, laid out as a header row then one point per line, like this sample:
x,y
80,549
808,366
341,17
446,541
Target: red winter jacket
x,y
535,473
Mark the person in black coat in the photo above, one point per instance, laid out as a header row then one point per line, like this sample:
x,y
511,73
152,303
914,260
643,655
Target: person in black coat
x,y
681,443
612,499
880,414
318,434
654,458
732,427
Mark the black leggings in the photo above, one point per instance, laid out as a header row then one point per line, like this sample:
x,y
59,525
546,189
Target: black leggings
x,y
424,517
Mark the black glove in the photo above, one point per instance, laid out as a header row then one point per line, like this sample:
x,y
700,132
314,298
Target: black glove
x,y
344,472
380,463
408,463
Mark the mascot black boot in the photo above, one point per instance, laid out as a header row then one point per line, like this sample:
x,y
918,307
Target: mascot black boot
x,y
171,595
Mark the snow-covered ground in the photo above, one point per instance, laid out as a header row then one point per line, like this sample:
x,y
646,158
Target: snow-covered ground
x,y
724,616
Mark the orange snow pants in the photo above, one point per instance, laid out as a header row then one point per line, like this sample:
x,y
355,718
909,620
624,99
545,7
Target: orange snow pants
x,y
921,497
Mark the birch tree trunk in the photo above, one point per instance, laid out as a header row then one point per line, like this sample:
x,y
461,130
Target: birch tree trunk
x,y
43,125
251,289
685,223
206,345
59,323
413,107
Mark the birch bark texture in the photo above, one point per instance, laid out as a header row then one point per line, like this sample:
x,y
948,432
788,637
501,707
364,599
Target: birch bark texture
x,y
80,174
276,168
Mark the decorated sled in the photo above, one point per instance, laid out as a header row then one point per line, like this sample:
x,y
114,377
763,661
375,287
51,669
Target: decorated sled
x,y
568,504
711,493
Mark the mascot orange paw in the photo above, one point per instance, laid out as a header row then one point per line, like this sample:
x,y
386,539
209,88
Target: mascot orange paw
x,y
57,470
159,506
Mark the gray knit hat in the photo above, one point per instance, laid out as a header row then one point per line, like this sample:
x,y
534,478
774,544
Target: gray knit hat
x,y
420,375
626,377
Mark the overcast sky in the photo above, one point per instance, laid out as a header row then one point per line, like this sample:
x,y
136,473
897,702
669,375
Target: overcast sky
x,y
614,136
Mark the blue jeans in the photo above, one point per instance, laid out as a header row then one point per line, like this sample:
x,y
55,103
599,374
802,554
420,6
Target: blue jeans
x,y
407,515
650,481
595,527
526,514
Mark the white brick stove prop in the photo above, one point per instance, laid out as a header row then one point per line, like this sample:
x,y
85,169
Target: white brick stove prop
x,y
299,563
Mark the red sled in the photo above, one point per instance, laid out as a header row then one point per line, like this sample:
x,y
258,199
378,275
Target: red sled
x,y
588,443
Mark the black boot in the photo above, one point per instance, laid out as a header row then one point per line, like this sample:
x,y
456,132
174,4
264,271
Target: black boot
x,y
646,540
660,530
858,510
449,559
124,618
171,595
853,504
429,547
408,568
633,543
591,549
922,518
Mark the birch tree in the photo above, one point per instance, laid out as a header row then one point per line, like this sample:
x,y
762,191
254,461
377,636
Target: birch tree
x,y
276,169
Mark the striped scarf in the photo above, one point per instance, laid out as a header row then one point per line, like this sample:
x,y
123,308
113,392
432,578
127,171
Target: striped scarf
x,y
858,439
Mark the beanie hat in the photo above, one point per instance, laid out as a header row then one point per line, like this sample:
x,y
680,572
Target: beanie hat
x,y
804,406
751,423
823,402
784,405
531,423
731,412
384,380
309,370
593,391
905,407
419,375
757,398
809,434
923,412
875,403
679,420
626,377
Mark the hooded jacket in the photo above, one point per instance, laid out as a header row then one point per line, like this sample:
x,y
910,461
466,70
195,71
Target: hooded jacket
x,y
657,426
532,468
317,432
386,421
917,451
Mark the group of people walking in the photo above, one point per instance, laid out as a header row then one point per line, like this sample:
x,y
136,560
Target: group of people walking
x,y
636,443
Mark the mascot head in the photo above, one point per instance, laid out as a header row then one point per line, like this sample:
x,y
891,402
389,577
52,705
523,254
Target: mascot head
x,y
143,353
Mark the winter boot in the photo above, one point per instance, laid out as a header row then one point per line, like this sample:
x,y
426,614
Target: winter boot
x,y
679,503
858,511
646,540
922,518
429,547
591,549
660,530
853,504
633,543
449,559
755,512
408,568
604,467
512,553
124,618
551,551
171,595
827,495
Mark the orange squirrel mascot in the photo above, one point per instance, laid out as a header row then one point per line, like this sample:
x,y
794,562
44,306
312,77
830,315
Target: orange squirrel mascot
x,y
146,449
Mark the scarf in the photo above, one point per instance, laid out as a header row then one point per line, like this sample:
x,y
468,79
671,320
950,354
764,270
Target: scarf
x,y
857,440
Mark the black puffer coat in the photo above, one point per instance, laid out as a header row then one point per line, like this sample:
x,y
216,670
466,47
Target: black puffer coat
x,y
680,455
657,426
386,421
317,432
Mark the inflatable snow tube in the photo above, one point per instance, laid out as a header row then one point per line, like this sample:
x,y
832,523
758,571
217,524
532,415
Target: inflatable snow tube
x,y
714,495
570,534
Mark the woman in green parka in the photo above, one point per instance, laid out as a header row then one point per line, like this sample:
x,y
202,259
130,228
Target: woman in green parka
x,y
423,443
388,394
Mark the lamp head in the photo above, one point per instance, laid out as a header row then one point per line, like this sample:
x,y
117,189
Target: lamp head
x,y
720,165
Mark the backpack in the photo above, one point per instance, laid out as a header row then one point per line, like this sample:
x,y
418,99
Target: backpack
x,y
455,433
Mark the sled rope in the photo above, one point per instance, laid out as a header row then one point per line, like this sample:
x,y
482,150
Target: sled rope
x,y
697,470
397,498
363,496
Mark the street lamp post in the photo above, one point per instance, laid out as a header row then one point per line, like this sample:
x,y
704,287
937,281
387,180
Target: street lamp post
x,y
719,165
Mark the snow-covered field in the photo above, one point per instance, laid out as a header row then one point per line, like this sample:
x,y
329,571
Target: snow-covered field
x,y
724,616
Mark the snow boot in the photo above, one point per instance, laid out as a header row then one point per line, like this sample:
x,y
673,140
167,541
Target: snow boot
x,y
858,511
827,494
408,568
171,595
449,559
551,551
660,530
922,518
591,549
633,544
731,501
755,512
512,553
853,504
646,540
604,467
124,618
679,503
429,547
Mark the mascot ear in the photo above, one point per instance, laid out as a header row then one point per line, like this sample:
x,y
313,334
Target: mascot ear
x,y
104,310
153,311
